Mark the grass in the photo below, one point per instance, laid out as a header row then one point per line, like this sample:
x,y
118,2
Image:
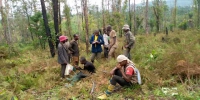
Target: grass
x,y
33,74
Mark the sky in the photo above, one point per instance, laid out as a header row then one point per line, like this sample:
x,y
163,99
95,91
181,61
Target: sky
x,y
72,3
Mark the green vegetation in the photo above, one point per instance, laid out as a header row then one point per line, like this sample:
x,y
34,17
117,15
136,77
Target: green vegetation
x,y
32,74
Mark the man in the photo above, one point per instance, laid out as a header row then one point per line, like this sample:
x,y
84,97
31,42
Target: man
x,y
129,41
123,74
74,50
87,65
113,42
106,42
63,56
96,41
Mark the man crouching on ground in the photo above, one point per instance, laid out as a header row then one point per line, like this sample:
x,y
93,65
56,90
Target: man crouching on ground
x,y
123,74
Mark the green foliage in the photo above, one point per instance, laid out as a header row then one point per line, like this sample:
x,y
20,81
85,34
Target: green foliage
x,y
183,25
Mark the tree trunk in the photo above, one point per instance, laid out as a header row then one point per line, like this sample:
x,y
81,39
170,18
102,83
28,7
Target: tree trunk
x,y
48,32
78,20
130,17
103,15
198,15
60,18
134,19
56,23
146,17
28,17
174,14
157,16
68,22
86,24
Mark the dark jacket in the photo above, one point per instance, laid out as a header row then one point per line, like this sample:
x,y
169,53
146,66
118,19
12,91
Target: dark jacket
x,y
96,48
63,56
129,39
89,67
74,48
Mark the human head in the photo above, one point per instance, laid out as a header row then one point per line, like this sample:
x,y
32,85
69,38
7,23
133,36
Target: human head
x,y
76,37
96,32
83,60
122,60
109,28
126,28
104,30
63,38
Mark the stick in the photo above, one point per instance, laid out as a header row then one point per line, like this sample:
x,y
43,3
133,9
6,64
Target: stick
x,y
93,86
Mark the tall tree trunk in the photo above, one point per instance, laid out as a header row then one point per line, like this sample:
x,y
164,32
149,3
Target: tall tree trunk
x,y
48,32
103,14
134,19
68,22
86,24
28,17
157,16
130,17
198,15
4,22
146,17
78,20
60,17
174,14
56,23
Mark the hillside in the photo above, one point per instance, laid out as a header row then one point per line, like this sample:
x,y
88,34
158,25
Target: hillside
x,y
161,59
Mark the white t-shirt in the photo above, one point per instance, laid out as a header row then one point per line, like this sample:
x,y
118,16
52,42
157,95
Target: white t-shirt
x,y
105,39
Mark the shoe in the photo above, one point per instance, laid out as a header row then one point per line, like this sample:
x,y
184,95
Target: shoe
x,y
103,97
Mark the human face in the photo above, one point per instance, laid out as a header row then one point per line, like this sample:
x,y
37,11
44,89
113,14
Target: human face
x,y
96,33
76,37
123,63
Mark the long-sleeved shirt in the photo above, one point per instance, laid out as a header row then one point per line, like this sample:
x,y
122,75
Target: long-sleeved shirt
x,y
63,56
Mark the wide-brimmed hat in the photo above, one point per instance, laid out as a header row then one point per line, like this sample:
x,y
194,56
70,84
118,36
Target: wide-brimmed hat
x,y
63,38
126,27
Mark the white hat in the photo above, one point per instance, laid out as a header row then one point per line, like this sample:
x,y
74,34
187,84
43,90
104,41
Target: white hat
x,y
126,27
121,58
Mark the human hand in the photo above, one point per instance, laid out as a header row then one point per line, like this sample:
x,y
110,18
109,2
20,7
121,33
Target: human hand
x,y
119,66
94,42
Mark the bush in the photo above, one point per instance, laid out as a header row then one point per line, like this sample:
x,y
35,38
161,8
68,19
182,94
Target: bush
x,y
183,25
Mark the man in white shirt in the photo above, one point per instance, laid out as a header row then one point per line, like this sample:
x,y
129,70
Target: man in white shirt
x,y
106,42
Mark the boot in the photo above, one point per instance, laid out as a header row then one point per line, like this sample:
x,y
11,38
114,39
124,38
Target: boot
x,y
107,92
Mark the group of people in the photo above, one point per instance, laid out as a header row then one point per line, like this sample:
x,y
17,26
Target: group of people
x,y
124,73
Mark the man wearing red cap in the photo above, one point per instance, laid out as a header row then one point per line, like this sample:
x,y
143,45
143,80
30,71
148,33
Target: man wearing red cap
x,y
63,56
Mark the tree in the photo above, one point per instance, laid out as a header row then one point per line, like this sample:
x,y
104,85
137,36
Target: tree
x,y
135,24
174,13
198,13
56,21
27,15
103,14
68,22
5,24
85,12
146,17
130,17
48,32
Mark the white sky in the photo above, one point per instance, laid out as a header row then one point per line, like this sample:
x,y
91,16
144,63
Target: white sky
x,y
72,3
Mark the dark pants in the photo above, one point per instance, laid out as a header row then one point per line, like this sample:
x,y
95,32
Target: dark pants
x,y
127,53
106,52
62,72
117,78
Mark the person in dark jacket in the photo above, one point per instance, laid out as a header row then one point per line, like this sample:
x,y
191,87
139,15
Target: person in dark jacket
x,y
96,41
87,65
129,41
63,56
75,50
